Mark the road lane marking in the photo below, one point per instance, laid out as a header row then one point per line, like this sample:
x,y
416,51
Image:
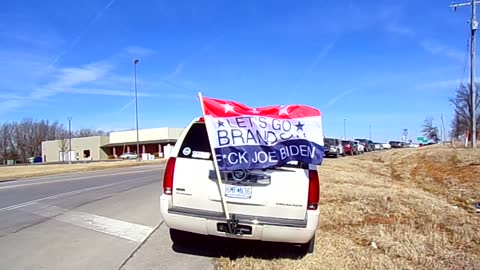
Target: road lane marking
x,y
20,205
93,172
72,179
126,230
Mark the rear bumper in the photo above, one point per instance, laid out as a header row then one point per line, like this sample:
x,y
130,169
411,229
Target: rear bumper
x,y
263,229
330,153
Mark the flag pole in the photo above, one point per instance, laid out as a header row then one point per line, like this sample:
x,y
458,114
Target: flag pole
x,y
215,164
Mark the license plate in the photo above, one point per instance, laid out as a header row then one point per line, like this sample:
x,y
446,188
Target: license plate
x,y
242,192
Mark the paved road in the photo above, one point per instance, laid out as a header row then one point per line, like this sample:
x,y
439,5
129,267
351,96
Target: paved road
x,y
105,219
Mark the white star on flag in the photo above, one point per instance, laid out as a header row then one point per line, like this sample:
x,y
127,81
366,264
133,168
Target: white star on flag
x,y
283,110
254,111
228,107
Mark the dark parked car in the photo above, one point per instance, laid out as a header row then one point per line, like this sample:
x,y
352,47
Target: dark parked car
x,y
367,144
371,145
350,148
333,147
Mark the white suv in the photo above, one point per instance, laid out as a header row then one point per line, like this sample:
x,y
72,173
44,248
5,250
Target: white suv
x,y
277,204
361,148
333,147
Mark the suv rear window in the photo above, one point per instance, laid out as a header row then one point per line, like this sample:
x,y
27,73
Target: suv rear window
x,y
329,141
196,140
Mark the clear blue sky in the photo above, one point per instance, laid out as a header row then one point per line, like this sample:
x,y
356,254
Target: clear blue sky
x,y
385,63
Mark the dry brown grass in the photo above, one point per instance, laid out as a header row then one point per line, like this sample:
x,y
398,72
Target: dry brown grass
x,y
415,204
18,172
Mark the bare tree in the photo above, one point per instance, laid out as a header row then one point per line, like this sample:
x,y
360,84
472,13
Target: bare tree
x,y
463,111
6,148
22,140
87,132
63,145
429,130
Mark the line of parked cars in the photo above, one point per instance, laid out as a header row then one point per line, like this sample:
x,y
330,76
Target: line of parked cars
x,y
398,144
336,147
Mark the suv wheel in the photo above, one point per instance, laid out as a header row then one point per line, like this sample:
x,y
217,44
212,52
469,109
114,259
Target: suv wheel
x,y
337,154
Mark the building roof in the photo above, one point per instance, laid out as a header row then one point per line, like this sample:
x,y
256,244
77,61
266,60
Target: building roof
x,y
140,142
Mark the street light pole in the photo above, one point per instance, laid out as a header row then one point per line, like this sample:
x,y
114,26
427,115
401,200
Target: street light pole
x,y
444,136
135,62
69,139
345,128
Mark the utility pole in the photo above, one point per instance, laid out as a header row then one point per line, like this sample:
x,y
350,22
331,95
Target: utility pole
x,y
69,139
474,26
443,130
135,62
345,128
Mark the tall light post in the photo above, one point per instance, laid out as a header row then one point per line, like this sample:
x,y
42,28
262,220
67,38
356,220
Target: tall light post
x,y
69,139
135,62
345,128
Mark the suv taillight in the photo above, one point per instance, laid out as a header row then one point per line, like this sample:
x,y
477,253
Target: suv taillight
x,y
313,190
168,176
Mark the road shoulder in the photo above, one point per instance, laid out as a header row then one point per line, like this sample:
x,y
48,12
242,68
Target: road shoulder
x,y
152,254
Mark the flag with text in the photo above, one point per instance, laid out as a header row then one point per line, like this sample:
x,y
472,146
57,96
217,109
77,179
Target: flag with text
x,y
259,138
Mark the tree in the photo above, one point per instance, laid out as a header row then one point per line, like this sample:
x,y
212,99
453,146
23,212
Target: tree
x,y
63,141
463,111
429,130
6,148
87,132
22,140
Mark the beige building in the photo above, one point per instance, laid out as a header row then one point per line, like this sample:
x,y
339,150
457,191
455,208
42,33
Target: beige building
x,y
157,142
87,148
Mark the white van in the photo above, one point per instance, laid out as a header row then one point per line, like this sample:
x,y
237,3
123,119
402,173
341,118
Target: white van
x,y
278,204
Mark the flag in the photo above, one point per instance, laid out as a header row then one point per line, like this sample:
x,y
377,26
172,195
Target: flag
x,y
259,138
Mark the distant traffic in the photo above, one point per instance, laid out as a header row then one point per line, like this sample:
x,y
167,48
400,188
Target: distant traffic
x,y
334,147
